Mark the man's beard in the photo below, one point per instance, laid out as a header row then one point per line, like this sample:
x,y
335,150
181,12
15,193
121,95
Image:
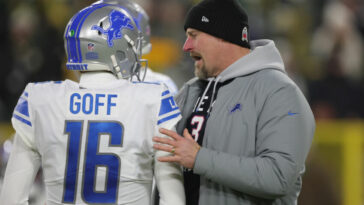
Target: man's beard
x,y
201,73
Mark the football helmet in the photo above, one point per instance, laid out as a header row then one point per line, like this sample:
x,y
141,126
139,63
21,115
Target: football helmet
x,y
141,19
104,37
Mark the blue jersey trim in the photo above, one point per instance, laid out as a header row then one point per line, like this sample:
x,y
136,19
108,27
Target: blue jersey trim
x,y
168,118
167,105
68,39
22,120
144,82
22,106
165,93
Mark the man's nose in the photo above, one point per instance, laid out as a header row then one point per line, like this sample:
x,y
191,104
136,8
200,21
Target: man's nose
x,y
188,45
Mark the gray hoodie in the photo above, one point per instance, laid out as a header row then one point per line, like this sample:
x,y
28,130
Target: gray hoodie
x,y
258,134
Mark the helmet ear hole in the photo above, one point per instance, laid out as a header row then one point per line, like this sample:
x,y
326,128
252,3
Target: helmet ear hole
x,y
125,63
120,55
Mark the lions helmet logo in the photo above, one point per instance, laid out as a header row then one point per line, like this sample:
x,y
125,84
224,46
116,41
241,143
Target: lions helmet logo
x,y
118,21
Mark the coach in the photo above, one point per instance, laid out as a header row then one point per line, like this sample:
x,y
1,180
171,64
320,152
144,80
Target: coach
x,y
247,128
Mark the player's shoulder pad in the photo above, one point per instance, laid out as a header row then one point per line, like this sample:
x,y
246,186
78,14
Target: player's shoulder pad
x,y
146,82
168,107
43,85
21,110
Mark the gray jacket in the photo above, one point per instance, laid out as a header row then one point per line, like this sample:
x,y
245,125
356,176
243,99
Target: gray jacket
x,y
258,134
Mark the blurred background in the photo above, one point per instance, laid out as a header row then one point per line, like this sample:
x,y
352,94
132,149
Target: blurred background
x,y
321,42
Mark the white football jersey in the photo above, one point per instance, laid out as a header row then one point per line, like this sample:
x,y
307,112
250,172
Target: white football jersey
x,y
95,144
152,76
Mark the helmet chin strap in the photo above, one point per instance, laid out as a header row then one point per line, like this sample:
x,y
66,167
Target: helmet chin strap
x,y
116,66
145,68
139,59
138,54
131,43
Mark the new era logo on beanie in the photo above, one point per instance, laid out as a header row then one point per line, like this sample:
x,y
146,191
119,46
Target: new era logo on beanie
x,y
204,19
220,18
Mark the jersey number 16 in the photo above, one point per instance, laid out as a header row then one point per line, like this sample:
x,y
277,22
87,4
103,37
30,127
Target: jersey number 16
x,y
93,159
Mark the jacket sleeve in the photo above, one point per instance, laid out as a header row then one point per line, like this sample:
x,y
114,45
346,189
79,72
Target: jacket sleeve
x,y
284,132
20,173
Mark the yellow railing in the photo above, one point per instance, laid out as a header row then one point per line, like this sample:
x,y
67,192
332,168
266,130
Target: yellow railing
x,y
345,140
348,136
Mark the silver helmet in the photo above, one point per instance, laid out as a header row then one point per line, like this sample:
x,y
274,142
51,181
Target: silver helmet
x,y
104,37
140,17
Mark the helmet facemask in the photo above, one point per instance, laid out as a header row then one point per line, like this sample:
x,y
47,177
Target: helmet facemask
x,y
123,60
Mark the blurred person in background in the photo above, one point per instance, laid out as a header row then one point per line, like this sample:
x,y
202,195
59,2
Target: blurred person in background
x,y
339,45
29,56
5,58
247,128
166,19
339,33
102,152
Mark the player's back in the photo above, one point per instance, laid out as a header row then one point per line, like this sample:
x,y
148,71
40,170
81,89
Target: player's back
x,y
95,143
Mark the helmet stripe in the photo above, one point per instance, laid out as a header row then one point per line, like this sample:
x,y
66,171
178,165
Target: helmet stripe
x,y
72,38
94,8
68,47
73,32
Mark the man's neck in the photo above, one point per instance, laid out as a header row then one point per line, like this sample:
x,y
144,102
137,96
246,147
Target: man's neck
x,y
96,78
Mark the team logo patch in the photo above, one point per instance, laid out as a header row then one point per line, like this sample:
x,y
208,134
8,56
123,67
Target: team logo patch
x,y
292,113
90,46
235,108
118,21
205,19
90,55
244,35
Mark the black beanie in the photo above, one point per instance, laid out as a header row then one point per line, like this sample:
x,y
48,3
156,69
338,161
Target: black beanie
x,y
220,18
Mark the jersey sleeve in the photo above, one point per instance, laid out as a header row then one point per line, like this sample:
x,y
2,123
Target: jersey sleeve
x,y
169,113
171,86
168,175
22,118
169,180
21,170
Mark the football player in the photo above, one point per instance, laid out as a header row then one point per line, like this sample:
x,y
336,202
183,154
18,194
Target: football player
x,y
93,139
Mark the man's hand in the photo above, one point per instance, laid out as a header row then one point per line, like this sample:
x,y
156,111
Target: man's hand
x,y
184,149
